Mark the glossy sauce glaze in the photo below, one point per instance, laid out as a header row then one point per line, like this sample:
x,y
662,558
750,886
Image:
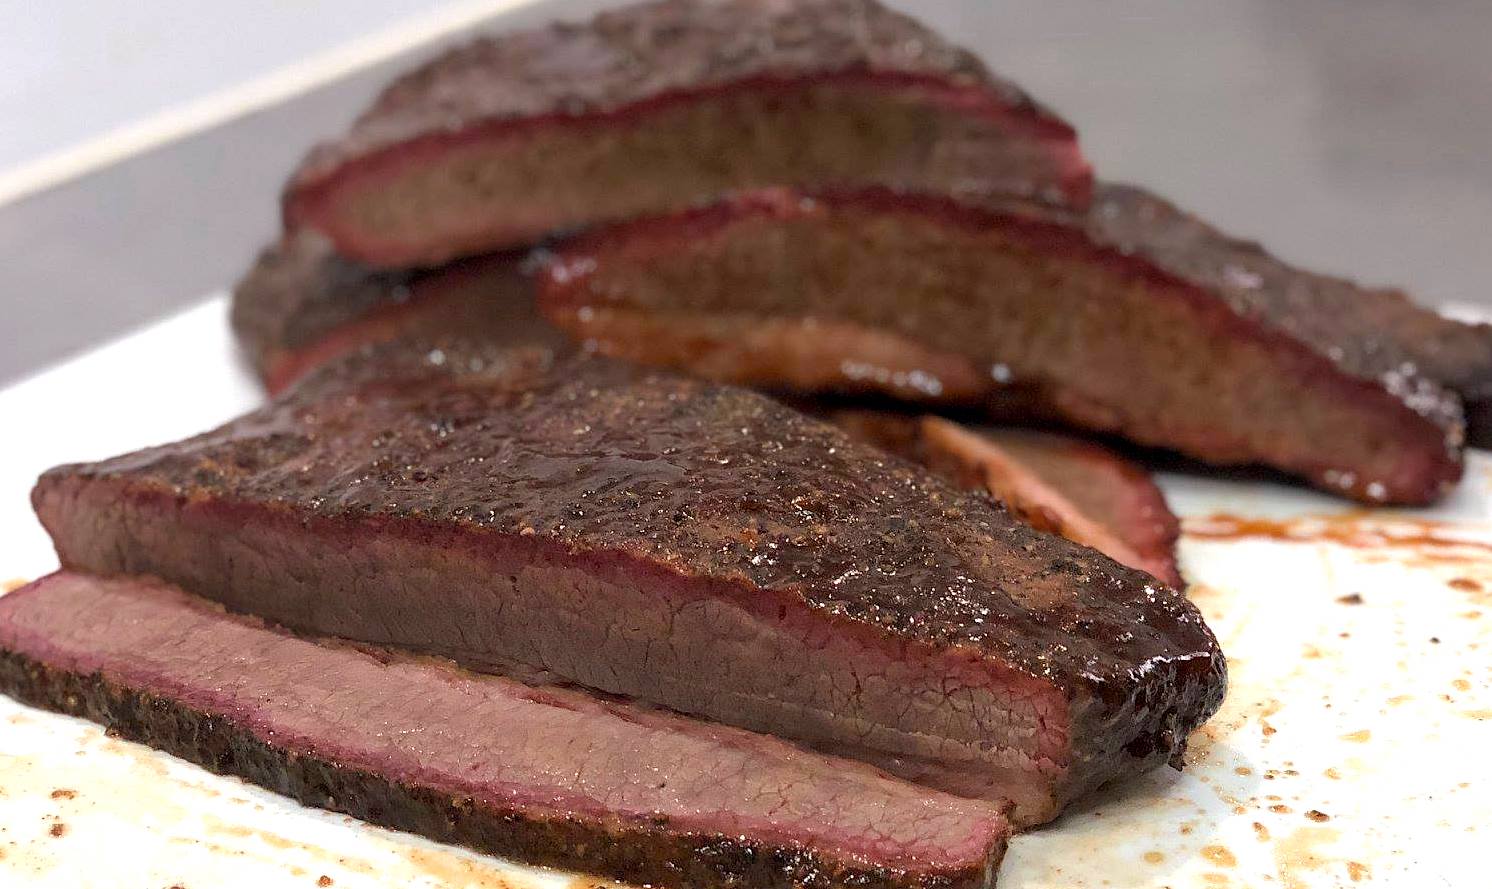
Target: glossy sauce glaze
x,y
716,483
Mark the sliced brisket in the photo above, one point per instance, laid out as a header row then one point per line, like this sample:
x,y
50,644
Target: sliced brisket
x,y
1383,325
700,547
544,775
654,107
302,305
1064,485
1013,308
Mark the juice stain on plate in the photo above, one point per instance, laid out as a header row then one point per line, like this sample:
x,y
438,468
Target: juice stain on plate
x,y
1220,856
1430,541
1300,853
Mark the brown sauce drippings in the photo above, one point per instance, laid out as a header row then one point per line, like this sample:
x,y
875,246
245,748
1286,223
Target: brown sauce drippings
x,y
1354,529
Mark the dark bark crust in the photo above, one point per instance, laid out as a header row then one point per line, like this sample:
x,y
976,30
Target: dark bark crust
x,y
1082,472
301,305
653,856
683,44
1370,332
468,441
430,131
299,290
641,480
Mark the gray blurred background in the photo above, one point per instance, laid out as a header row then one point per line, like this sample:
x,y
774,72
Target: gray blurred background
x,y
1353,137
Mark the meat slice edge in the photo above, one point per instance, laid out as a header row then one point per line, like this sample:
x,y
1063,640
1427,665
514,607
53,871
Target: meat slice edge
x,y
656,106
302,305
698,547
1336,313
548,776
1011,308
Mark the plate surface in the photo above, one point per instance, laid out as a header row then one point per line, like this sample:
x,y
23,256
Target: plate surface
x,y
1352,749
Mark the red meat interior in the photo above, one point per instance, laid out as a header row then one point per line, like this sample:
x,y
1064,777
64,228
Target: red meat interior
x,y
928,301
507,184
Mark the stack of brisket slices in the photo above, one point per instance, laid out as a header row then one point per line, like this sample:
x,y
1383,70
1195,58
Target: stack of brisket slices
x,y
825,198
465,577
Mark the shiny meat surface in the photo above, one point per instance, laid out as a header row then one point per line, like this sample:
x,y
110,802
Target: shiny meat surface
x,y
579,491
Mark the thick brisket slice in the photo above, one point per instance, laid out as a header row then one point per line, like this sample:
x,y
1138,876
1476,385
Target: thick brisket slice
x,y
302,305
1369,327
1014,308
1056,483
700,547
544,775
655,107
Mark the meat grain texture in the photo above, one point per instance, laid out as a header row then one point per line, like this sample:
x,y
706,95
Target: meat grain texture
x,y
545,775
1105,320
695,546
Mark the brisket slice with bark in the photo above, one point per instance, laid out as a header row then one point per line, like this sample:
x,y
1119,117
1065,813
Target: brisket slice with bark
x,y
1057,483
544,775
654,107
302,305
1383,323
699,547
1012,308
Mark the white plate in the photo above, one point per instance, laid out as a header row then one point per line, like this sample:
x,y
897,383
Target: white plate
x,y
1352,750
